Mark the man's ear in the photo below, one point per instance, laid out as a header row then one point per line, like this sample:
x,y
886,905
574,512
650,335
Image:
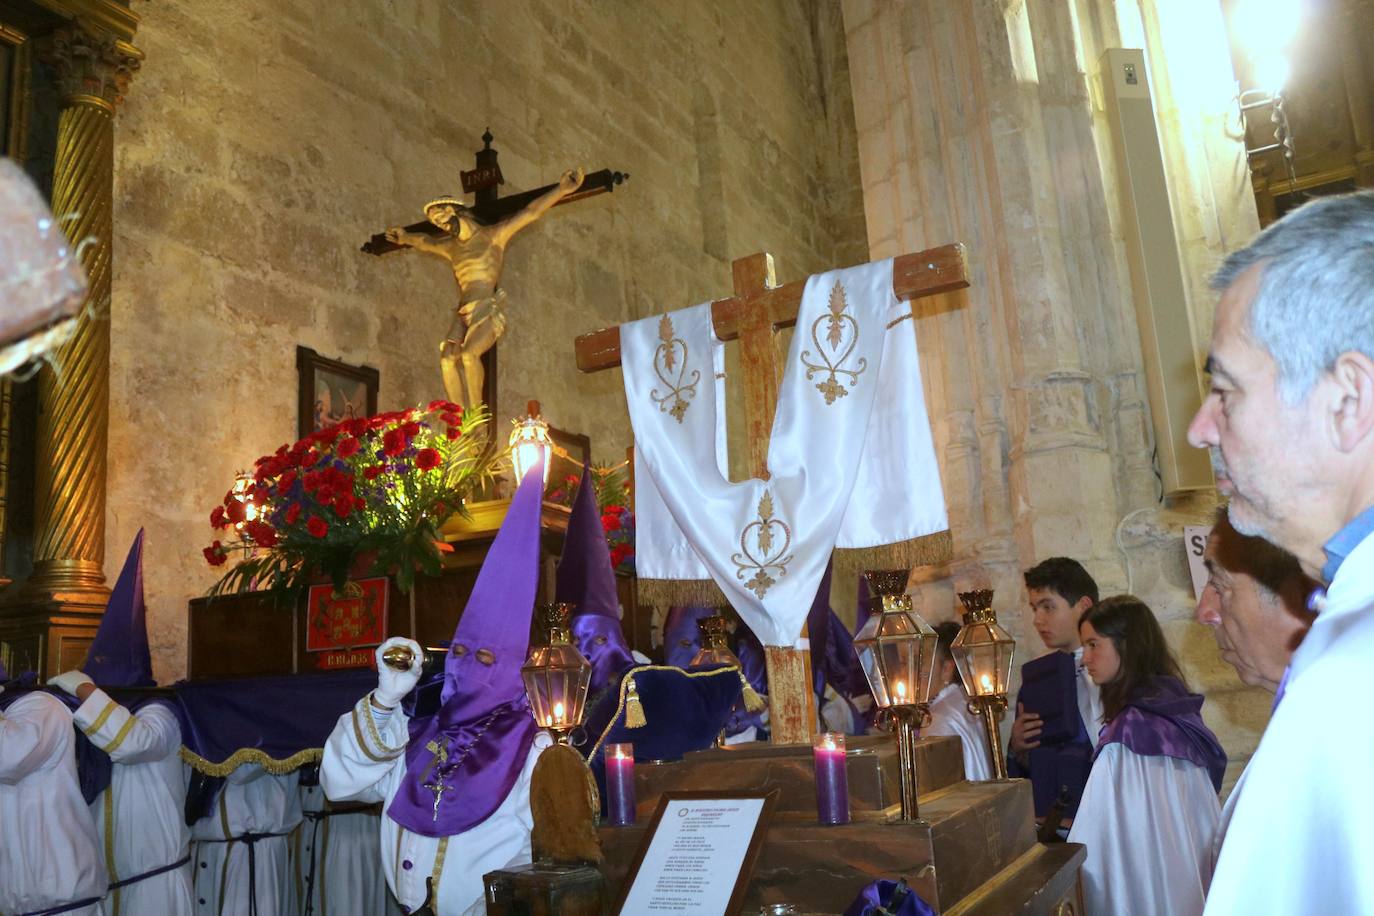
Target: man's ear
x,y
1080,607
1351,404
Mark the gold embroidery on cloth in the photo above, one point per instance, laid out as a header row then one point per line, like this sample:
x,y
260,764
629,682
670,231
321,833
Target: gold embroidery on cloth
x,y
768,533
841,337
672,355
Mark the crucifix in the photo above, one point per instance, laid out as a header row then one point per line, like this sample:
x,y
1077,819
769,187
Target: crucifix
x,y
755,313
473,239
437,764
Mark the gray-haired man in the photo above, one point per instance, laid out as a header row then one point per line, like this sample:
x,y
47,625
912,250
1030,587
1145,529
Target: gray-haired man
x,y
1290,425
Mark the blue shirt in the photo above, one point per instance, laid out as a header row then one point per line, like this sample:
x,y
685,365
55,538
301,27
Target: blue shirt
x,y
1346,540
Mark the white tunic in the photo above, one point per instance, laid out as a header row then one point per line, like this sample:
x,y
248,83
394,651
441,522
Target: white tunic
x,y
252,801
49,851
949,715
142,816
344,850
1148,824
356,767
1299,839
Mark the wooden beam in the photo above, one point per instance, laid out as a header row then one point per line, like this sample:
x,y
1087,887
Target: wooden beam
x,y
914,276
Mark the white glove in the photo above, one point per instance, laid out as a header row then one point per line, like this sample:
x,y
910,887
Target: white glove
x,y
68,681
392,685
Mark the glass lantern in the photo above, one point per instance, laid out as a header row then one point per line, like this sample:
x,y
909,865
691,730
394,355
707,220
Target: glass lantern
x,y
982,651
530,443
896,648
556,676
715,645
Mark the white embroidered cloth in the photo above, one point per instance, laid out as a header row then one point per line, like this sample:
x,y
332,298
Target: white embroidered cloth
x,y
851,459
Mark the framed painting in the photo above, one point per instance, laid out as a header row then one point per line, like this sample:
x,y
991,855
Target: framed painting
x,y
333,391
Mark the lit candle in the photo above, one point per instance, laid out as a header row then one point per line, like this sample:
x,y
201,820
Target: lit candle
x,y
557,713
901,693
620,784
832,779
986,683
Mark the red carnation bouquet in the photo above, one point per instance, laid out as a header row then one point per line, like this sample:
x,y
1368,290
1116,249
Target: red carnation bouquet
x,y
612,487
377,487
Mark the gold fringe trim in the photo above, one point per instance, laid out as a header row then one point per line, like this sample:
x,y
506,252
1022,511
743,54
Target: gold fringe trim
x,y
667,593
628,680
930,550
252,755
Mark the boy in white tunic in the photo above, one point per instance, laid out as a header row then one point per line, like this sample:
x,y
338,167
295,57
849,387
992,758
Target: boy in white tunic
x,y
335,854
455,785
50,856
141,815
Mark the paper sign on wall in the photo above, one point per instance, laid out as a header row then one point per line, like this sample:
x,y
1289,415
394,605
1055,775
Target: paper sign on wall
x,y
1194,540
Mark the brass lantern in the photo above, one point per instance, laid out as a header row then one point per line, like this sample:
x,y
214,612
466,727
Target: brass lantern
x,y
897,652
556,676
983,653
530,443
715,645
896,648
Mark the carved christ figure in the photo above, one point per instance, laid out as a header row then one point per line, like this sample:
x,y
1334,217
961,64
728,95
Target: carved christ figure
x,y
476,253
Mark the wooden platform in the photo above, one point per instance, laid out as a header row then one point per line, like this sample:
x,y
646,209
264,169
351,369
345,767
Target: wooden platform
x,y
973,852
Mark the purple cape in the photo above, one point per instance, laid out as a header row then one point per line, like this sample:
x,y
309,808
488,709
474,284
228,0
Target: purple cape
x,y
1163,719
476,745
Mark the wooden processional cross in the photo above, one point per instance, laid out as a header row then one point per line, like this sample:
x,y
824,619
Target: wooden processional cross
x,y
753,316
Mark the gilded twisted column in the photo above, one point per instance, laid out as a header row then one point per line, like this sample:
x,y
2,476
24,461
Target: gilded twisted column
x,y
93,72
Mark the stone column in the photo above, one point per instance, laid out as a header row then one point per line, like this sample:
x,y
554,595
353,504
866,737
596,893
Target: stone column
x,y
93,71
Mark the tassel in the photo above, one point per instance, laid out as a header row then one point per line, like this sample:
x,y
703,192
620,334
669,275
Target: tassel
x,y
634,710
752,701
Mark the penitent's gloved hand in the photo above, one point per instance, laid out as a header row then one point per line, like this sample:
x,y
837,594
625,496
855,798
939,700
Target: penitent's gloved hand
x,y
392,685
68,681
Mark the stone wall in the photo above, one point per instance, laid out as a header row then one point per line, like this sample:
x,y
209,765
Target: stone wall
x,y
979,122
263,141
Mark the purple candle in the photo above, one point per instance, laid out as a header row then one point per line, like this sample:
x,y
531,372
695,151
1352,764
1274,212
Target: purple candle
x,y
832,779
620,784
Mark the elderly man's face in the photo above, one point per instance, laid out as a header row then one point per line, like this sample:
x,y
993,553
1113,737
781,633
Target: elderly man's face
x,y
1261,447
1254,630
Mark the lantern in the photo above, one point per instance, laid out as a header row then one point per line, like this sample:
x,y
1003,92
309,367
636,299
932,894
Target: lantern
x,y
556,676
983,653
896,648
897,652
715,647
530,443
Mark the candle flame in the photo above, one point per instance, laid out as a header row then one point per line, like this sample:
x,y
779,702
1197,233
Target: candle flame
x,y
619,753
986,683
558,712
901,690
829,743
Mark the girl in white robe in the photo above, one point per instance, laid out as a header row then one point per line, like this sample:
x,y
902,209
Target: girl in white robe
x,y
1149,810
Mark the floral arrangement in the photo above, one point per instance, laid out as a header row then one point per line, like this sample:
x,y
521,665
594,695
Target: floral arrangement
x,y
612,487
368,491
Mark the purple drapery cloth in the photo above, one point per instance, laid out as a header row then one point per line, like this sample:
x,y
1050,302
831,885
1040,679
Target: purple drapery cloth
x,y
585,578
118,656
477,744
1164,720
878,895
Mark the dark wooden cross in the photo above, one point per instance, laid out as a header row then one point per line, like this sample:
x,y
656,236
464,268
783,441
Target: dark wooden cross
x,y
753,316
487,207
